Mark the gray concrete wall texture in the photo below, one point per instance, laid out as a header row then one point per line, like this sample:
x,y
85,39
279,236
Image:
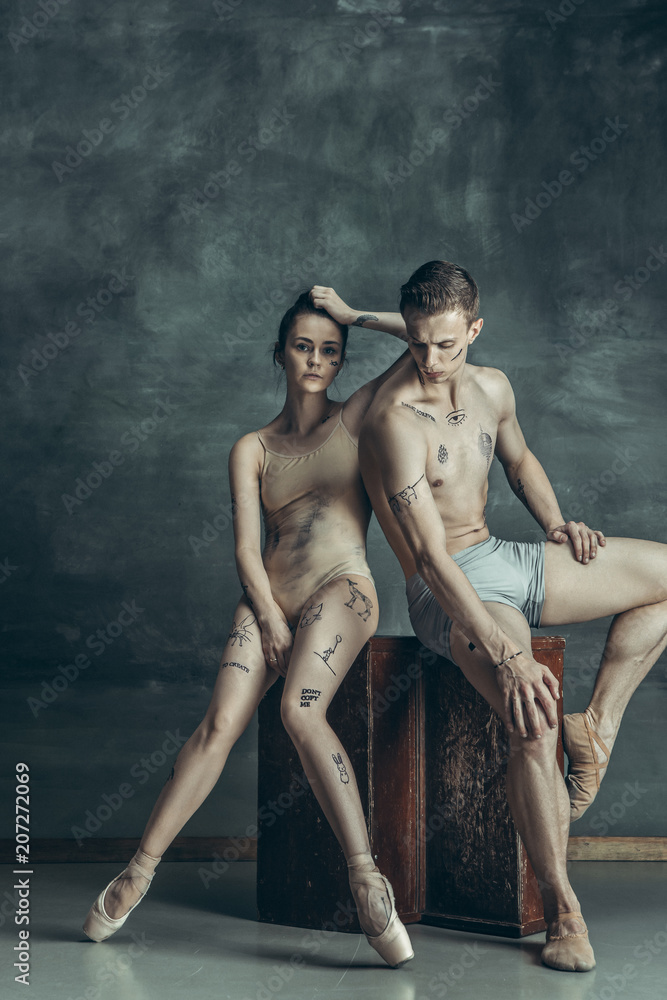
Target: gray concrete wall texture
x,y
173,174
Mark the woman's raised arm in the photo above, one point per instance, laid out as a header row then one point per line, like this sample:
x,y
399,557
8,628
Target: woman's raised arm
x,y
386,322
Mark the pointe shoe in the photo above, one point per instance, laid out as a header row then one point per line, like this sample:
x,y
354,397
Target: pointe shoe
x,y
393,943
98,925
583,773
568,952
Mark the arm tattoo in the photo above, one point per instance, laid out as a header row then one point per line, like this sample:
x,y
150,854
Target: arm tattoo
x,y
420,413
521,493
360,320
246,595
408,494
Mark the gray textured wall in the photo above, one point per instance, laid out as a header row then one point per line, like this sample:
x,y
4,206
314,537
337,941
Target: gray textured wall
x,y
351,142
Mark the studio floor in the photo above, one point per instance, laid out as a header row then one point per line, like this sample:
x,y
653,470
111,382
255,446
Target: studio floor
x,y
188,941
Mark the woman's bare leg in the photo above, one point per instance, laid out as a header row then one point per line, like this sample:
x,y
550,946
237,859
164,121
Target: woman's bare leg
x,y
242,681
336,623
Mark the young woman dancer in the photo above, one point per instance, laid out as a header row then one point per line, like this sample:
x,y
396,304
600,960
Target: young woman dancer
x,y
309,606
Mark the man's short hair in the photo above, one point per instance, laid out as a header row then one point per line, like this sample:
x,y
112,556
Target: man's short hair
x,y
439,287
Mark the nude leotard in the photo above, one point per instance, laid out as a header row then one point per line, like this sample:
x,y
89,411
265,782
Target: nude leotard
x,y
316,515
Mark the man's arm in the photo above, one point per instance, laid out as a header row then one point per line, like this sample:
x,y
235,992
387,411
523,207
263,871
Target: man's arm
x,y
387,322
401,462
531,484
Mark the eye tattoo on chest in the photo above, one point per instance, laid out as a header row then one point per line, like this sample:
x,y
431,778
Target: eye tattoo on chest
x,y
420,413
485,445
442,454
456,418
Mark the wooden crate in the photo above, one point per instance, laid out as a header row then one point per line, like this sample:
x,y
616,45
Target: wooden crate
x,y
420,740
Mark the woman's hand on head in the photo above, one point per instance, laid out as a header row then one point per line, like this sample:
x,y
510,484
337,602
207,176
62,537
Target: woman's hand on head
x,y
277,641
327,298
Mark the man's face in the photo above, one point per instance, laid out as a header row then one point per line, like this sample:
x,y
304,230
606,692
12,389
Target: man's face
x,y
439,344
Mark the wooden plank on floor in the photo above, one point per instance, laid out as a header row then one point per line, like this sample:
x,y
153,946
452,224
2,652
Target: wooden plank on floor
x,y
119,849
617,849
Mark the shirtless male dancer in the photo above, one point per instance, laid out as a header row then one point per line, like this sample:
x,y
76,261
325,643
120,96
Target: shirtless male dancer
x,y
425,449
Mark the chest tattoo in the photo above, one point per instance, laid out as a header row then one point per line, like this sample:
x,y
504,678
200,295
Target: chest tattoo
x,y
456,418
485,445
420,413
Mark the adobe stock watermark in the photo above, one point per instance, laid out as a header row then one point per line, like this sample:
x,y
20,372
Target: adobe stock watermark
x,y
97,642
454,117
581,158
192,204
132,441
468,956
6,570
110,802
114,968
29,27
220,522
311,942
369,32
89,309
399,684
599,318
604,820
618,984
600,484
565,10
264,310
225,8
122,107
267,814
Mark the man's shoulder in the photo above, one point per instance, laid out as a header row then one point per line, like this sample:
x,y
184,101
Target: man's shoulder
x,y
388,396
388,409
493,382
489,378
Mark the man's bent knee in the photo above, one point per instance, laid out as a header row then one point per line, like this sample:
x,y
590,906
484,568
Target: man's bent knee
x,y
537,748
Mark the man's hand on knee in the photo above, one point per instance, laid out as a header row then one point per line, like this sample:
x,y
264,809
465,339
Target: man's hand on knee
x,y
524,683
584,540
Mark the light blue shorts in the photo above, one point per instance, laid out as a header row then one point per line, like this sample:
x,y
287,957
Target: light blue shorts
x,y
507,572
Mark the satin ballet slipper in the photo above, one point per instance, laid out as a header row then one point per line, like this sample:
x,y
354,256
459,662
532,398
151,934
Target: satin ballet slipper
x,y
583,773
98,925
393,943
568,952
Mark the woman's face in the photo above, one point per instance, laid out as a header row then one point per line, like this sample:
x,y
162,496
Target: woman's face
x,y
313,352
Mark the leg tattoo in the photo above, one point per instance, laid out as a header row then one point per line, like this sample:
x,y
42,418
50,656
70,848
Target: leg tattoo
x,y
328,653
309,618
357,595
308,695
241,631
342,770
